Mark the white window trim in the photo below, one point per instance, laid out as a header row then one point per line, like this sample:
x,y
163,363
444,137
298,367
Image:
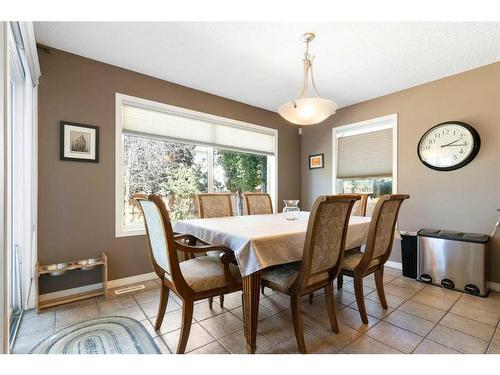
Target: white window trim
x,y
378,123
121,99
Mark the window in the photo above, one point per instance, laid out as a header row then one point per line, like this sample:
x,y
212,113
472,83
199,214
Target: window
x,y
365,158
178,153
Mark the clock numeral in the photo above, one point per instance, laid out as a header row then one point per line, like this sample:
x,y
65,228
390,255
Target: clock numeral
x,y
437,135
432,141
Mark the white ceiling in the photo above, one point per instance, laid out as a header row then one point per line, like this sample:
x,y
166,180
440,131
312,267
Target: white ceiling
x,y
260,63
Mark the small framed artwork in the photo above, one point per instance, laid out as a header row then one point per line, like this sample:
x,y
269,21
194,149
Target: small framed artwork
x,y
79,142
316,161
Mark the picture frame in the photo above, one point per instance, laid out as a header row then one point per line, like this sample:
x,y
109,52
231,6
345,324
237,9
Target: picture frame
x,y
79,142
316,161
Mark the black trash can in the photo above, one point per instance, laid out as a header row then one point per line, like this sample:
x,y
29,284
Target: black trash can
x,y
409,254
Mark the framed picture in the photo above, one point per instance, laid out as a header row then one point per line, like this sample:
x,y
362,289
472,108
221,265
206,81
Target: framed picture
x,y
79,142
316,161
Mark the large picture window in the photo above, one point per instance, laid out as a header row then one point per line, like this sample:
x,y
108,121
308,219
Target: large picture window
x,y
365,158
178,153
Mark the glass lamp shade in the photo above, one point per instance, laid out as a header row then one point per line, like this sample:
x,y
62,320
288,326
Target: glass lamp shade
x,y
307,111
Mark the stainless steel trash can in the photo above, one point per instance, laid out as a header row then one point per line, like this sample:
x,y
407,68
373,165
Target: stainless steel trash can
x,y
453,260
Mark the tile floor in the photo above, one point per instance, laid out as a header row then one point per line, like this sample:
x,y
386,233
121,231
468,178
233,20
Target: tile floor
x,y
420,319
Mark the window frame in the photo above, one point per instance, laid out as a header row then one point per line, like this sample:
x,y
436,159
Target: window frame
x,y
371,125
121,99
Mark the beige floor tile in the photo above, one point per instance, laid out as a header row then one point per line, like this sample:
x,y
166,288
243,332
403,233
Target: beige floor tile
x,y
442,292
171,321
432,299
374,309
350,317
431,347
276,302
32,331
399,291
410,322
367,345
148,295
131,312
222,325
457,340
494,349
314,345
151,308
264,312
422,311
474,311
149,327
233,300
161,345
470,327
343,297
76,312
235,343
406,282
276,329
32,314
113,303
496,337
203,311
337,341
212,348
396,337
198,337
392,300
349,287
389,271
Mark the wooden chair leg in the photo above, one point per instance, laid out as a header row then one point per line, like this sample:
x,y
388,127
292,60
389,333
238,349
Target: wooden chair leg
x,y
330,305
298,324
340,281
187,318
360,299
311,297
262,289
162,307
210,302
221,300
379,282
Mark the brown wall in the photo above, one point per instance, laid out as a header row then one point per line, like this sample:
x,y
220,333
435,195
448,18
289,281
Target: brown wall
x,y
76,200
463,200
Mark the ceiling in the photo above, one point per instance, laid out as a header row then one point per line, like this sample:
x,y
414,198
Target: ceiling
x,y
259,63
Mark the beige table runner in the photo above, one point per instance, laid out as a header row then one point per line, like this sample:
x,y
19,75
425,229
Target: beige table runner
x,y
260,241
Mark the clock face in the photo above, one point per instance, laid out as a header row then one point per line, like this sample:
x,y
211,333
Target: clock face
x,y
448,146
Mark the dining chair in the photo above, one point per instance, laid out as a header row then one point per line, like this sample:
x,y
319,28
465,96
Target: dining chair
x,y
320,265
192,280
212,205
359,208
258,203
377,250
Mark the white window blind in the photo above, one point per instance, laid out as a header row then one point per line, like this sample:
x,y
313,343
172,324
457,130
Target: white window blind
x,y
196,130
365,155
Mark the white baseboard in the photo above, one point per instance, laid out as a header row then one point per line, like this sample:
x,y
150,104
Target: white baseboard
x,y
111,284
396,265
494,286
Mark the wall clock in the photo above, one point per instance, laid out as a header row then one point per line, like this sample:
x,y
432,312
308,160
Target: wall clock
x,y
449,146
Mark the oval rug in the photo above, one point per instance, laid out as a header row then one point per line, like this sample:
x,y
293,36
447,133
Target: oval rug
x,y
108,335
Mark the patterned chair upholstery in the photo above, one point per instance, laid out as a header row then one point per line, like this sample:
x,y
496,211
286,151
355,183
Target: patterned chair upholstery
x,y
320,265
359,208
215,205
192,280
258,203
377,251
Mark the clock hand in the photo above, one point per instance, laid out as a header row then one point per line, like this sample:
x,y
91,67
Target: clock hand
x,y
451,143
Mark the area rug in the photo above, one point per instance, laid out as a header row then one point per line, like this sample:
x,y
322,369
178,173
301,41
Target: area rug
x,y
108,335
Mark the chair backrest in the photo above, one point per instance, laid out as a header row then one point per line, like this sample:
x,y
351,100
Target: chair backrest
x,y
381,232
325,236
258,203
215,205
160,237
359,208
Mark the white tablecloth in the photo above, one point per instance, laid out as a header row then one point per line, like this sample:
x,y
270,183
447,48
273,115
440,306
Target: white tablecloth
x,y
260,241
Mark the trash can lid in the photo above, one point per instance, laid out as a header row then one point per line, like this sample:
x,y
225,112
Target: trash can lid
x,y
455,236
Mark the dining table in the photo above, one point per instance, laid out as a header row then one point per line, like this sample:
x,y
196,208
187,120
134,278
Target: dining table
x,y
259,242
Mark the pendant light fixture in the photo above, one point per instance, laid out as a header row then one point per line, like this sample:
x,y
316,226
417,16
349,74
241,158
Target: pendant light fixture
x,y
308,109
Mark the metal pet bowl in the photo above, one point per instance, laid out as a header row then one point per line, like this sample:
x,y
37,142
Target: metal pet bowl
x,y
88,264
57,269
